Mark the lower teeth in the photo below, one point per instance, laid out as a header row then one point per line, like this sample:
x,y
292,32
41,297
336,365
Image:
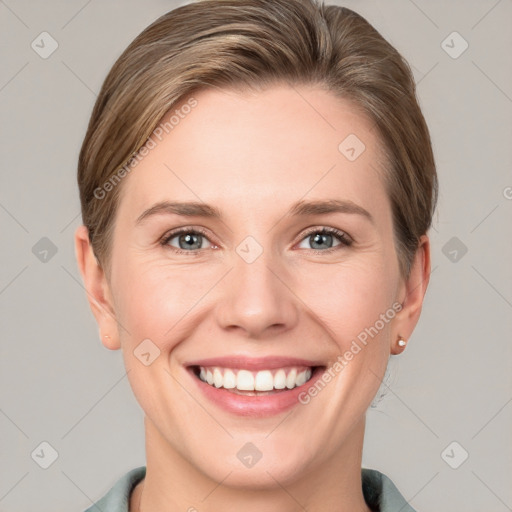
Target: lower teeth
x,y
253,393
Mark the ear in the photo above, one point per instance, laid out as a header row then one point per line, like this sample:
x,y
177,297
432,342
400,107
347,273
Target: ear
x,y
97,288
411,294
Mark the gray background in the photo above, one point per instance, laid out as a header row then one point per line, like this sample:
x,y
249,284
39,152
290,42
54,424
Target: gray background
x,y
453,383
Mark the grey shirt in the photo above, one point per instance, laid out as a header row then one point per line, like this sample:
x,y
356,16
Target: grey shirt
x,y
379,492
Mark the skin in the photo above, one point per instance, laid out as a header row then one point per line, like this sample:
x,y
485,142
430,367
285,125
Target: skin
x,y
252,155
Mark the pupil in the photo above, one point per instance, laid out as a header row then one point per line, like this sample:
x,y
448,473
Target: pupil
x,y
189,240
319,238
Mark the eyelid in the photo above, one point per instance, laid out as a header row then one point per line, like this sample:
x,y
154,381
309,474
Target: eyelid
x,y
326,229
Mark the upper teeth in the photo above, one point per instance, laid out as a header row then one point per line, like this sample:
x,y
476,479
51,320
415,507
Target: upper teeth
x,y
264,380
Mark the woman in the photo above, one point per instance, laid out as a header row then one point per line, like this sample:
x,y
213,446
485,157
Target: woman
x,y
257,183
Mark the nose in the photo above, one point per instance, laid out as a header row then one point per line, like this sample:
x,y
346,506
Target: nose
x,y
257,299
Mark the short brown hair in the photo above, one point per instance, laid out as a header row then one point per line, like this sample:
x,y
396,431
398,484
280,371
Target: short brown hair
x,y
253,43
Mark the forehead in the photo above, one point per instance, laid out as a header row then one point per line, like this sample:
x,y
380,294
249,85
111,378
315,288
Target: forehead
x,y
251,149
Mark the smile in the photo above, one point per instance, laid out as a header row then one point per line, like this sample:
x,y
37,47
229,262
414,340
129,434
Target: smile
x,y
254,387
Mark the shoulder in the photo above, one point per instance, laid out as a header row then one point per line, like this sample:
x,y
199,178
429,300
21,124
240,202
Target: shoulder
x,y
381,494
118,498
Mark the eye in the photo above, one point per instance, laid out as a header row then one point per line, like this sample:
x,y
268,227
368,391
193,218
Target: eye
x,y
188,240
191,240
323,238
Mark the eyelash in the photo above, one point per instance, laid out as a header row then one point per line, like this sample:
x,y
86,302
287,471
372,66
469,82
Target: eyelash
x,y
344,239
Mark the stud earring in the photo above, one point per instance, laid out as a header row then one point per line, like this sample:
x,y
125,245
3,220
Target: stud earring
x,y
106,336
401,342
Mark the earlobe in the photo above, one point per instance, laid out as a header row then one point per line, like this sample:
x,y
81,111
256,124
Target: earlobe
x,y
398,345
108,342
97,289
411,294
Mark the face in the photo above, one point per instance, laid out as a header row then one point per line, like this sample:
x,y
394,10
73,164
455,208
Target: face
x,y
273,275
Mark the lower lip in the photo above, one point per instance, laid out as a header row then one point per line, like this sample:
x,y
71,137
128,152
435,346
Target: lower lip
x,y
255,405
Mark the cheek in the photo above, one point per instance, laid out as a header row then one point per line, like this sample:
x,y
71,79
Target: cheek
x,y
156,299
350,298
163,301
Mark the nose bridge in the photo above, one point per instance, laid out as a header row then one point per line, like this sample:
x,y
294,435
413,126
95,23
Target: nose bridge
x,y
255,296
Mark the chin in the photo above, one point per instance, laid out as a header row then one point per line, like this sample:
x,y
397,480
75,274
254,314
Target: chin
x,y
263,475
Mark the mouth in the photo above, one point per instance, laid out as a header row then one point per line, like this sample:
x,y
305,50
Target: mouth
x,y
255,383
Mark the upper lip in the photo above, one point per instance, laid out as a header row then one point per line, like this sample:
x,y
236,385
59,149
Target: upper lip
x,y
253,363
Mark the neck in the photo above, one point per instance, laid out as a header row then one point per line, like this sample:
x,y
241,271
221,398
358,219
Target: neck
x,y
172,483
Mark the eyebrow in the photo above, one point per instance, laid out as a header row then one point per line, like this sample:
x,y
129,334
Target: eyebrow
x,y
300,208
